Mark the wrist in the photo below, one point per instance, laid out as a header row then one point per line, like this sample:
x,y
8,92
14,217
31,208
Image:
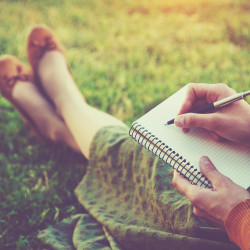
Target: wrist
x,y
237,223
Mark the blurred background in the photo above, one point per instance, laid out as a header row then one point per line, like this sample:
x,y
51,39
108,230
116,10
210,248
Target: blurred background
x,y
126,57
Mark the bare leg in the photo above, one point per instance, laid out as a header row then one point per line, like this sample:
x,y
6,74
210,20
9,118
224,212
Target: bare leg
x,y
49,124
82,120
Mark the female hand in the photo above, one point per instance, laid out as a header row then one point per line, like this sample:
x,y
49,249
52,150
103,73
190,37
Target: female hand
x,y
231,122
212,204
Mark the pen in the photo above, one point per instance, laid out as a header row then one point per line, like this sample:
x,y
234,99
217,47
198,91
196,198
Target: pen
x,y
218,104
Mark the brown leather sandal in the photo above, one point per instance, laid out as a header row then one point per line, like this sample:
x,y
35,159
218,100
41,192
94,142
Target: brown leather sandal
x,y
13,71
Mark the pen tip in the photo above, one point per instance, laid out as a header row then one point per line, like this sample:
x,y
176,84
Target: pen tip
x,y
170,122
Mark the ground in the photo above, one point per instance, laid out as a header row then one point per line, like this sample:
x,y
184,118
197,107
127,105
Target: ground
x,y
126,57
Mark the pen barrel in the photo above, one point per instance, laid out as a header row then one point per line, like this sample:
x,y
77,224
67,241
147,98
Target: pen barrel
x,y
228,100
245,94
204,109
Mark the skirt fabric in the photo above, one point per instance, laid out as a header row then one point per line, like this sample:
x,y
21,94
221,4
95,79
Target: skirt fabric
x,y
131,204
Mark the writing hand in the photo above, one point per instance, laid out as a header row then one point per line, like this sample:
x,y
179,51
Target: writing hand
x,y
231,122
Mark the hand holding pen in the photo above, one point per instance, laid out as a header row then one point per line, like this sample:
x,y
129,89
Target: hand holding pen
x,y
232,122
217,105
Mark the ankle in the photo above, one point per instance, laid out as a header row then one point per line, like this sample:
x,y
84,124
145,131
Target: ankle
x,y
54,75
52,71
58,82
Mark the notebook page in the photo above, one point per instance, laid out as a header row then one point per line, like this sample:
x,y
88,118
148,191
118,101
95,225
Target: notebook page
x,y
230,159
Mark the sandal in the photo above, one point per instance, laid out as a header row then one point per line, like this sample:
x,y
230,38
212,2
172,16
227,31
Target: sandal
x,y
13,71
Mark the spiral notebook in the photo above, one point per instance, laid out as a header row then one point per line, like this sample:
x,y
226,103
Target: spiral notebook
x,y
183,151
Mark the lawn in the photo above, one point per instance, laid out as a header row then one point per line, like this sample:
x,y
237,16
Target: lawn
x,y
126,57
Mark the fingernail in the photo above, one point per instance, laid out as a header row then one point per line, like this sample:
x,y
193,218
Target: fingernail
x,y
205,161
179,121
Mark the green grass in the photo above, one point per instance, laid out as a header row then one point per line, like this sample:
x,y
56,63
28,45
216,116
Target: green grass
x,y
126,56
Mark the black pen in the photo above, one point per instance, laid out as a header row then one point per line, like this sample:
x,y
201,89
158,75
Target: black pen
x,y
218,104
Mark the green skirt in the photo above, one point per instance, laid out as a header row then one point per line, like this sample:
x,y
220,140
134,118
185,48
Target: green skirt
x,y
131,204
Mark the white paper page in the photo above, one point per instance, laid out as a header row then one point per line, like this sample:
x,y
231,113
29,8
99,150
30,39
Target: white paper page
x,y
230,159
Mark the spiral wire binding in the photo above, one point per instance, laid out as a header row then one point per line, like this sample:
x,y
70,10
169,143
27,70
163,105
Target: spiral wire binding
x,y
167,154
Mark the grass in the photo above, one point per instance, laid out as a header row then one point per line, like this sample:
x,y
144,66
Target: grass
x,y
126,56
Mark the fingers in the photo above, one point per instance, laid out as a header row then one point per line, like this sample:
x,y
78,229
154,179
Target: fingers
x,y
210,171
197,195
184,186
187,104
191,97
192,120
200,198
215,136
185,130
196,93
212,205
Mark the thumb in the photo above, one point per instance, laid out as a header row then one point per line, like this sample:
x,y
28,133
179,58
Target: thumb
x,y
210,171
191,120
